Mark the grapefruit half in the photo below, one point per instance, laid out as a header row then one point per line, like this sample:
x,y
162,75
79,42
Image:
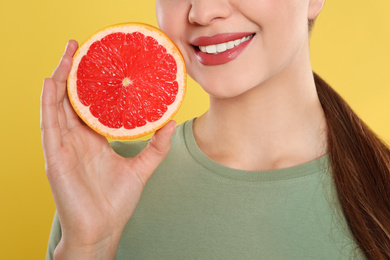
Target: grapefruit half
x,y
127,80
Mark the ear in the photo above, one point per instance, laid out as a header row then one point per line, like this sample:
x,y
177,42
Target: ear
x,y
315,7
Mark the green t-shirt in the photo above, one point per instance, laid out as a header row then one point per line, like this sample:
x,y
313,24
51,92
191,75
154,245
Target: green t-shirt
x,y
195,208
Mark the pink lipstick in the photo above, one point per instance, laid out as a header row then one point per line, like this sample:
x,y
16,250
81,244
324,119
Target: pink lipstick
x,y
221,48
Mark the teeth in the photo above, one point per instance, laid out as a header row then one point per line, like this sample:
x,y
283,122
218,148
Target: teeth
x,y
211,49
230,45
221,47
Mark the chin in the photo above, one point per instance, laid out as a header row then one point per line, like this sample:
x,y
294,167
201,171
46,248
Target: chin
x,y
226,91
230,87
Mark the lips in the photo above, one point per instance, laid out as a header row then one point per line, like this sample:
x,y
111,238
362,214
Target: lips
x,y
221,48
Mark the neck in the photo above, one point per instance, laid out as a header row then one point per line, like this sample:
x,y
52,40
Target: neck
x,y
277,124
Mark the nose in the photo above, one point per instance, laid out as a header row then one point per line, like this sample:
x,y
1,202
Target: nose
x,y
205,12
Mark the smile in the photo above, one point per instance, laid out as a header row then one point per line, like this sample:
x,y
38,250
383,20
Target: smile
x,y
222,47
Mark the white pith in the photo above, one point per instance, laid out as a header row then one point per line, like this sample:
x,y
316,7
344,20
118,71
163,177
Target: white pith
x,y
123,133
222,47
126,82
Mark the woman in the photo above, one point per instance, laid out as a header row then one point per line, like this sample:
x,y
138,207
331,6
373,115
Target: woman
x,y
279,167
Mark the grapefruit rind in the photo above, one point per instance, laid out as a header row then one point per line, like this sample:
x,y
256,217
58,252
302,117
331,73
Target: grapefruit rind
x,y
123,133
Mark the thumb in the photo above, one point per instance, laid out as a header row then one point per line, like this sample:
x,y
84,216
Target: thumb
x,y
154,153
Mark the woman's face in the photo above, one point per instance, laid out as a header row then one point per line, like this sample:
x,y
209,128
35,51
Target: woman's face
x,y
231,46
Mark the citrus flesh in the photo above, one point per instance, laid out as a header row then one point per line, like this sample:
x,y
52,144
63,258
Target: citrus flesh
x,y
127,80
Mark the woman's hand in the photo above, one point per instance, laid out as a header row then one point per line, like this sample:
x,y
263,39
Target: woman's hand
x,y
95,190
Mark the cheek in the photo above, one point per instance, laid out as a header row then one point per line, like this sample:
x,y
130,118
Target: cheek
x,y
277,17
171,16
164,16
283,27
172,19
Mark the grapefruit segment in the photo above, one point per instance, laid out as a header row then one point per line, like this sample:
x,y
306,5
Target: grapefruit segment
x,y
127,80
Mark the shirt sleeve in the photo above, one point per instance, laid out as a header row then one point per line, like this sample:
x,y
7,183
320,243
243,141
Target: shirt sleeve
x,y
55,237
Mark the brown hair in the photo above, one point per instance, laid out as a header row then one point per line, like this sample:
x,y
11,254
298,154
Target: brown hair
x,y
360,163
311,24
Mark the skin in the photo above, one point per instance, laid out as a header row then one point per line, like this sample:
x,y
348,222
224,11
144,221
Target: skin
x,y
268,103
90,183
264,110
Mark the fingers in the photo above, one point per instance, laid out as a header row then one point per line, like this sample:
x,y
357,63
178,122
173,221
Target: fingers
x,y
50,128
60,74
72,118
53,93
154,153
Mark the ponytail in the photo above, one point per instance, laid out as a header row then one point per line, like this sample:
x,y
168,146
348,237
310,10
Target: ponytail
x,y
360,164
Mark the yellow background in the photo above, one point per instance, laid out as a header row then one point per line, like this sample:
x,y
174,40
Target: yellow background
x,y
350,49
